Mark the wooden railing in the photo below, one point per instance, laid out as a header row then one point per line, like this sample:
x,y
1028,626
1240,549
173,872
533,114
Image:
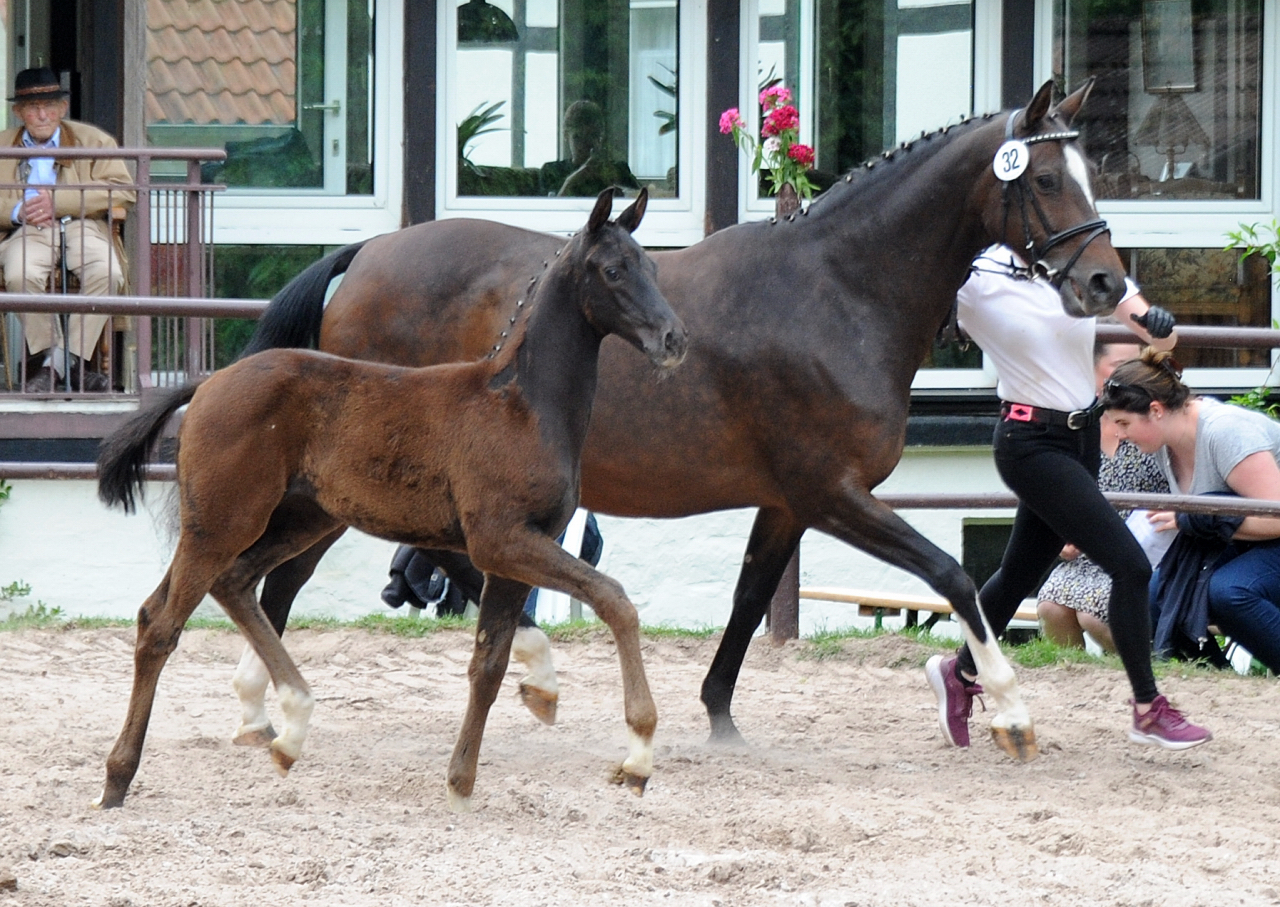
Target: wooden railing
x,y
167,240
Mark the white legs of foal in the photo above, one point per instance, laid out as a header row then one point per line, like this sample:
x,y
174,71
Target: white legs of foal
x,y
296,705
539,691
1011,727
250,683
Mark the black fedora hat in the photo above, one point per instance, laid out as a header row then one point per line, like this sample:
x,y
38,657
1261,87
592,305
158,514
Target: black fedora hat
x,y
37,85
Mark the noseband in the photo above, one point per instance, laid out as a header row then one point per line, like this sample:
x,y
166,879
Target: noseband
x,y
1095,228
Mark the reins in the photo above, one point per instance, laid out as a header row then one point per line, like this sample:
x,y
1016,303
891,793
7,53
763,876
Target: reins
x,y
1094,228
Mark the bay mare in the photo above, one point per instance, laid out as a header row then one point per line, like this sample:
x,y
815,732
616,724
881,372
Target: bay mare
x,y
285,448
805,336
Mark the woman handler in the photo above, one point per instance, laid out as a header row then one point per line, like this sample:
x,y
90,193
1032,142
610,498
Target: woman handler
x,y
1047,451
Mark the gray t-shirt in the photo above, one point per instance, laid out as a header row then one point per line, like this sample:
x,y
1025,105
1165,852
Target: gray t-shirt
x,y
1225,435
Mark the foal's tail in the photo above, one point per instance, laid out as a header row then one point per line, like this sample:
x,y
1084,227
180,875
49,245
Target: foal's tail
x,y
122,455
292,318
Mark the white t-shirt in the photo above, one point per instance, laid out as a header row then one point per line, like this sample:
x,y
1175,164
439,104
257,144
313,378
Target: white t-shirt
x,y
1042,355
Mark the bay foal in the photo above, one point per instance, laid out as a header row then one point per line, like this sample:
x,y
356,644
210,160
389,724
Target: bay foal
x,y
285,447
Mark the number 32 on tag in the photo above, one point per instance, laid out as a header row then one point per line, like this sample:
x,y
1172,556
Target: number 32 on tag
x,y
1011,160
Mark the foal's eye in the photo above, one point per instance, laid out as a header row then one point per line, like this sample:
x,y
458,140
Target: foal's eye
x,y
612,273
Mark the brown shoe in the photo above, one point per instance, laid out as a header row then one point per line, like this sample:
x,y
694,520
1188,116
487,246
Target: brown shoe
x,y
95,383
40,381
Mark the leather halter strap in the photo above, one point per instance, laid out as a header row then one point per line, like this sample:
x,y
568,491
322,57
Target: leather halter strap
x,y
1094,228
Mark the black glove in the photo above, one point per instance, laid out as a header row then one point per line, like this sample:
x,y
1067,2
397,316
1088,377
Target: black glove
x,y
1158,322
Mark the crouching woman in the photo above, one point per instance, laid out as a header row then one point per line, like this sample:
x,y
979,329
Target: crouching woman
x,y
1207,447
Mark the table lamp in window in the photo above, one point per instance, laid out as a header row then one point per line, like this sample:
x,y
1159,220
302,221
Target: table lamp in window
x,y
1170,127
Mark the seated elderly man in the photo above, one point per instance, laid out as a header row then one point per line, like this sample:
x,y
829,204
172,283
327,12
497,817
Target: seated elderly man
x,y
31,208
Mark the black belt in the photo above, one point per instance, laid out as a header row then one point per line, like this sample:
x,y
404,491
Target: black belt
x,y
1076,420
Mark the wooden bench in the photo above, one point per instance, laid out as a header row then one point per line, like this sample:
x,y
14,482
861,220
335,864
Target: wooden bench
x,y
878,604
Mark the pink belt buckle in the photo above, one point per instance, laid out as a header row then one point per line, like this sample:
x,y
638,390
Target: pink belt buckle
x,y
1020,412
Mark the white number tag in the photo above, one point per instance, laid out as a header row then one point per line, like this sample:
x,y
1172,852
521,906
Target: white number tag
x,y
1011,160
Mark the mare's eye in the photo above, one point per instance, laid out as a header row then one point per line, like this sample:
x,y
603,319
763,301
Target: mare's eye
x,y
1047,181
612,273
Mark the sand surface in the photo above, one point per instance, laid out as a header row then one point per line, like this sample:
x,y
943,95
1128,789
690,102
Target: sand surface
x,y
845,796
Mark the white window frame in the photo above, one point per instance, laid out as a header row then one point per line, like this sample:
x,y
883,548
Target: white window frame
x,y
1180,224
986,95
299,216
668,222
751,204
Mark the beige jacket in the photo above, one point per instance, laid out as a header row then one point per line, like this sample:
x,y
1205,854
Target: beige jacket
x,y
106,172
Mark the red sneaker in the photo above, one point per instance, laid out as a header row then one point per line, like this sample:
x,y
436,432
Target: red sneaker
x,y
955,698
1164,726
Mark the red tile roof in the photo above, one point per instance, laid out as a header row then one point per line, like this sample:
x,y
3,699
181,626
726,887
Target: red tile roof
x,y
221,61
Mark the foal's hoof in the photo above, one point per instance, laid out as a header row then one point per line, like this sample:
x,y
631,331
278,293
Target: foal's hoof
x,y
283,761
457,802
260,736
633,783
106,801
540,702
1020,743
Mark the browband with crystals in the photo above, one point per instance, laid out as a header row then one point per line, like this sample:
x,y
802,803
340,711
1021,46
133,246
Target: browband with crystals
x,y
1064,136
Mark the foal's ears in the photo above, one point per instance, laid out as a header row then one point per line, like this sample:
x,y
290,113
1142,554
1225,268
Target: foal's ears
x,y
630,218
1041,105
600,213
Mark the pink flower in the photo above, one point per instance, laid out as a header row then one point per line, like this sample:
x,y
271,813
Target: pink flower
x,y
729,119
780,120
801,154
774,96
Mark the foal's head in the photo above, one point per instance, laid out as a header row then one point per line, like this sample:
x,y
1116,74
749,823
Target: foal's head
x,y
1044,206
620,283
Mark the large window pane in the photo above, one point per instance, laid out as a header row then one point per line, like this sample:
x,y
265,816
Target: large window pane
x,y
1210,287
567,98
1175,111
867,75
886,71
285,86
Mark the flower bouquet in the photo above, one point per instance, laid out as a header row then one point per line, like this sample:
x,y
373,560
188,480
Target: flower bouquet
x,y
778,152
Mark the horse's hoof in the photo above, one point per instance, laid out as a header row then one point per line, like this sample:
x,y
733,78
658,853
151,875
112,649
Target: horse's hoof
x,y
1020,743
541,703
727,736
283,761
105,802
634,783
260,737
457,802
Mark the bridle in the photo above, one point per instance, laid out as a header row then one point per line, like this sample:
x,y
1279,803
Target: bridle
x,y
1095,228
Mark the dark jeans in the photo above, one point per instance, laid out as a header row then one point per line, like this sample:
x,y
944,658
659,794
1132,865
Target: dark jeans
x,y
1054,472
1243,597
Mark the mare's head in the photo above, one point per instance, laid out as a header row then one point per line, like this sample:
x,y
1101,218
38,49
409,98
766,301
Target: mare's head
x,y
620,283
1042,205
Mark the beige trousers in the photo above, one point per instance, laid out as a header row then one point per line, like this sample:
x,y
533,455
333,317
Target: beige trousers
x,y
29,255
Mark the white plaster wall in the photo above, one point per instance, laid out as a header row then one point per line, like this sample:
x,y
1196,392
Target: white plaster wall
x,y
78,556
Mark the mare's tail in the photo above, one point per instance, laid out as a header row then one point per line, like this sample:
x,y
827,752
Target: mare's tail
x,y
122,455
292,318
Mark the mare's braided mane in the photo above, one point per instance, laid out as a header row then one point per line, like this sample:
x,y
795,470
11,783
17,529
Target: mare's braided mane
x,y
878,165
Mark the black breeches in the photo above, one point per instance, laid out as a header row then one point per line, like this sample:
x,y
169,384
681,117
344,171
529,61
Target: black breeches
x,y
1053,471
